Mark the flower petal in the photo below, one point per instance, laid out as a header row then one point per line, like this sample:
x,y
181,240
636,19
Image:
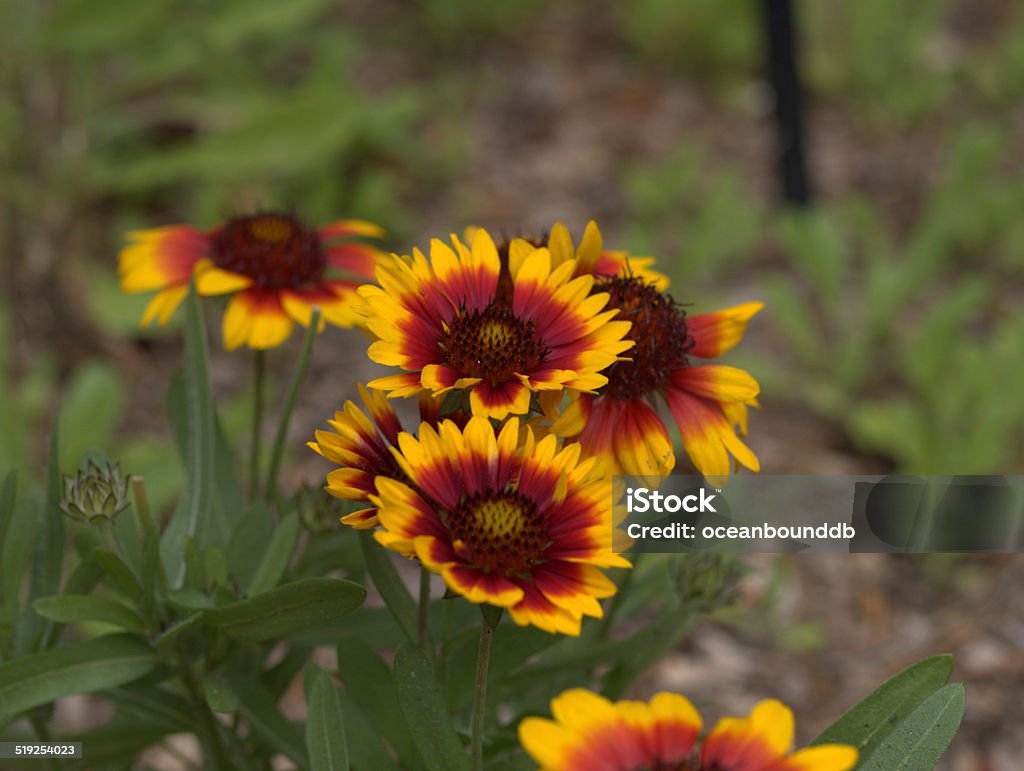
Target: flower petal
x,y
717,332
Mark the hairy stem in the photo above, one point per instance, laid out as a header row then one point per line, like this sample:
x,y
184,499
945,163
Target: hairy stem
x,y
259,362
483,661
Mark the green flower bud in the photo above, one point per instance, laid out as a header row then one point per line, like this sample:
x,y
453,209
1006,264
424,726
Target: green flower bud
x,y
707,581
318,510
95,494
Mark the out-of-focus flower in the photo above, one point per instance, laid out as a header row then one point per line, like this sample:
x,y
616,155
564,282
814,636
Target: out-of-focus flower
x,y
96,493
591,258
525,527
708,402
442,321
590,733
275,268
762,742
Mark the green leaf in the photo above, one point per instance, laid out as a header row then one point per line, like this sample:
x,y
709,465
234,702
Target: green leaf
x,y
369,682
194,508
365,748
7,498
154,704
73,608
918,742
277,555
425,710
39,678
230,500
867,724
16,552
289,607
108,746
325,726
48,551
220,695
248,541
121,576
389,584
258,706
195,570
175,630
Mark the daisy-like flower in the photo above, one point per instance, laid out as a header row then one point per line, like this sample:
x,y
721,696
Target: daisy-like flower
x,y
362,449
590,256
275,268
442,322
522,525
361,445
590,733
707,401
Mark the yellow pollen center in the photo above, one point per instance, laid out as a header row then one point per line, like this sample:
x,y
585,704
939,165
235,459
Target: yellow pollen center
x,y
501,532
273,230
491,343
500,518
494,334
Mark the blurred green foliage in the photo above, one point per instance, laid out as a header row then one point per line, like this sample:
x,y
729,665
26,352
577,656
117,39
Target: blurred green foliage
x,y
212,106
898,339
121,114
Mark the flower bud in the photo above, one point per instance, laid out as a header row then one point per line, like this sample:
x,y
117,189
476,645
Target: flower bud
x,y
95,494
707,581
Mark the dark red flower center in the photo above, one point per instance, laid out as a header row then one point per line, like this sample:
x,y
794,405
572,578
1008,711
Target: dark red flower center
x,y
659,332
274,250
501,532
492,344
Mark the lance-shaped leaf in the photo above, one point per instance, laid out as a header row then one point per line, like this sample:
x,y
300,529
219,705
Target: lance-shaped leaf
x,y
325,726
282,610
102,662
74,608
918,742
423,705
867,724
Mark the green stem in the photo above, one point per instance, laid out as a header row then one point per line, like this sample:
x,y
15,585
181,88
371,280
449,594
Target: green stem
x,y
43,734
423,617
208,729
446,633
483,661
277,451
259,361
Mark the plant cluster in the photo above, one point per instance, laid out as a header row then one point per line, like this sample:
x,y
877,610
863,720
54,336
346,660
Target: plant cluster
x,y
539,366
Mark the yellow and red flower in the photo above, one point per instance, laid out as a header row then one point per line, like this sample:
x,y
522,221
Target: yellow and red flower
x,y
762,741
621,425
362,447
275,268
590,256
590,733
442,322
524,526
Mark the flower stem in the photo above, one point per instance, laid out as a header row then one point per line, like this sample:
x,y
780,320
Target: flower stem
x,y
208,729
423,617
483,660
277,451
259,362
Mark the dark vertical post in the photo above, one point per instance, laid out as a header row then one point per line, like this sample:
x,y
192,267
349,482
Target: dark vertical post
x,y
781,41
